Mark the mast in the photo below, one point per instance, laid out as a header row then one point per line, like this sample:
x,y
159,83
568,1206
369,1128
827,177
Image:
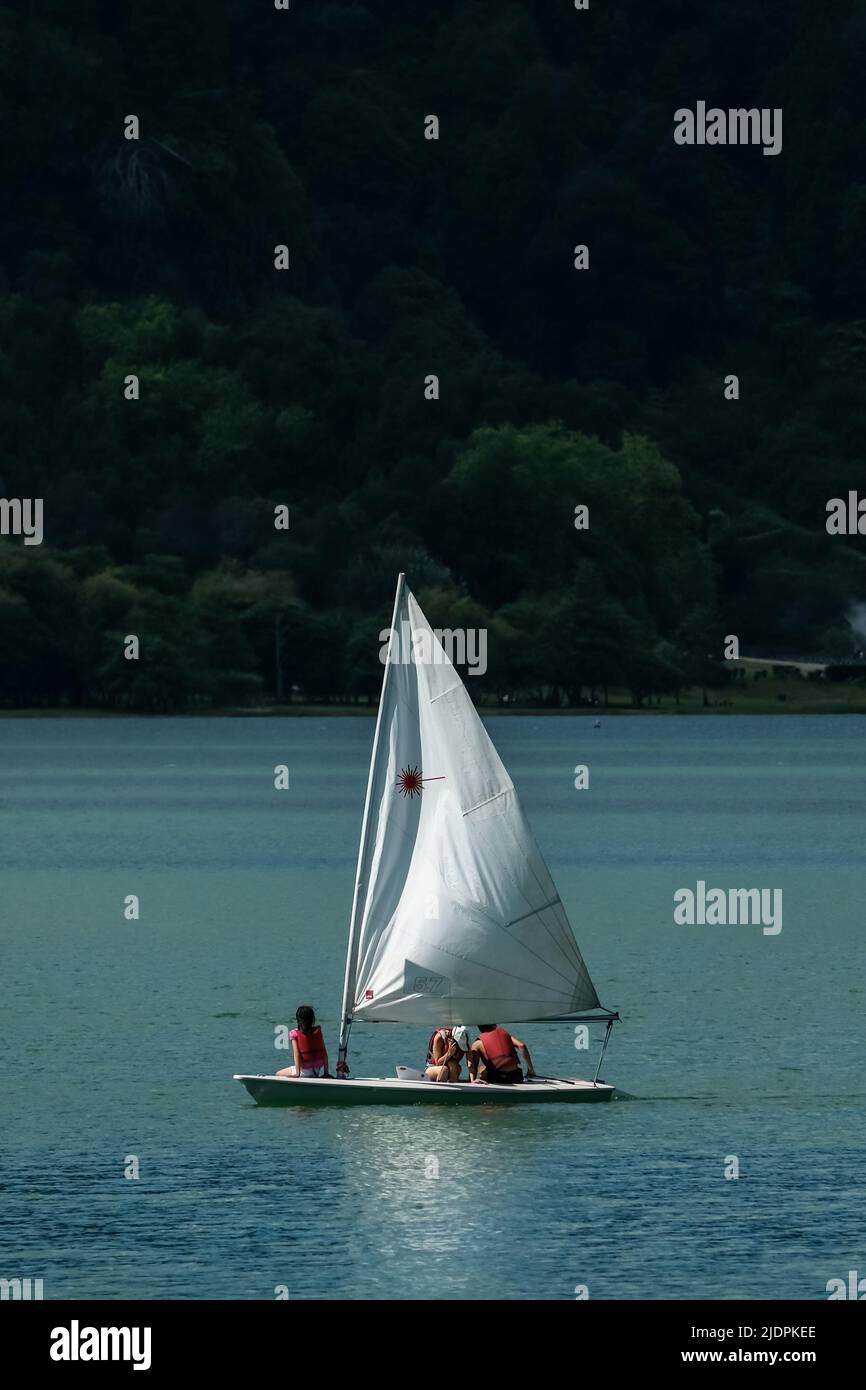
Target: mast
x,y
352,952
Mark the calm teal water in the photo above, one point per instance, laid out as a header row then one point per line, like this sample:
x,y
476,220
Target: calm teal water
x,y
120,1038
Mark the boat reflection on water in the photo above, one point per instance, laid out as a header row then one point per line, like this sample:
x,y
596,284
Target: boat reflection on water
x,y
438,1181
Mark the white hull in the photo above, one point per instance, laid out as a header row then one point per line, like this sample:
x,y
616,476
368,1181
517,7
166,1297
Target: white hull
x,y
382,1090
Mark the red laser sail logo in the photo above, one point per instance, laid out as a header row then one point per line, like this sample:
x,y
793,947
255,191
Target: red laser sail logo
x,y
411,781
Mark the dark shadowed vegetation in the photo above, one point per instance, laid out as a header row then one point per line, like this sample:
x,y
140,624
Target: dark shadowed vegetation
x,y
410,257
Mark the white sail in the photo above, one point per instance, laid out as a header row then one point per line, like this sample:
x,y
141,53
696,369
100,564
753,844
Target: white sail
x,y
457,919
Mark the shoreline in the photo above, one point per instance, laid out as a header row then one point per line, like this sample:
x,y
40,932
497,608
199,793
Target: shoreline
x,y
760,707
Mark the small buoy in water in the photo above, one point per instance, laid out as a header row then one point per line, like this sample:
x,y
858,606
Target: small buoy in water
x,y
597,724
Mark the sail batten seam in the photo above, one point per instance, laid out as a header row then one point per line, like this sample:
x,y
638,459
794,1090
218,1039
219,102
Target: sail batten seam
x,y
443,693
495,797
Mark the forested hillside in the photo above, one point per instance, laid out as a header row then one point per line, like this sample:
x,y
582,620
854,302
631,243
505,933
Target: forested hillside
x,y
410,257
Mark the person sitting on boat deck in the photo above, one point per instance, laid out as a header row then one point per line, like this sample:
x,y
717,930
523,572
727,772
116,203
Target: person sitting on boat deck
x,y
308,1046
496,1051
446,1048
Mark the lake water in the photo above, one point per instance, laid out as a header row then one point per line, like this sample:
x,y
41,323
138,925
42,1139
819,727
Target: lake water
x,y
120,1038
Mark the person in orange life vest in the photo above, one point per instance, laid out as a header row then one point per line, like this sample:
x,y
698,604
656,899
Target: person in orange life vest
x,y
446,1048
496,1052
308,1046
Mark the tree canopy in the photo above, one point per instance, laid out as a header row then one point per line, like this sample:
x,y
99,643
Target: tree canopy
x,y
410,257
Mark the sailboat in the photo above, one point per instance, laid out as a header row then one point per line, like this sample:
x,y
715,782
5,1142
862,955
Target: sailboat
x,y
455,917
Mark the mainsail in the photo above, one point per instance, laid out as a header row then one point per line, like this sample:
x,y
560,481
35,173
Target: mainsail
x,y
456,918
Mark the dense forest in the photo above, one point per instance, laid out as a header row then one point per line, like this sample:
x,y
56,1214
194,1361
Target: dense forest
x,y
308,387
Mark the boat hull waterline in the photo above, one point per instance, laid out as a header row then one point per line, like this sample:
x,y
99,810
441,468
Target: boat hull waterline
x,y
382,1090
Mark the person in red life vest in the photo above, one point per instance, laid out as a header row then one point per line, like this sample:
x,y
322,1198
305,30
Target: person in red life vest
x,y
308,1046
445,1050
496,1052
